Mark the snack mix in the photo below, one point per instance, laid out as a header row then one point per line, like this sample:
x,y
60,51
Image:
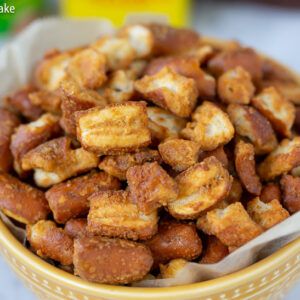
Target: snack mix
x,y
132,156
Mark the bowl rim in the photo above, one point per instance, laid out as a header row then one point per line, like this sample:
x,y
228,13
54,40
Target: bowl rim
x,y
221,284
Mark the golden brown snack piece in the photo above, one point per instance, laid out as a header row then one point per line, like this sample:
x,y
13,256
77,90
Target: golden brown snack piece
x,y
117,165
76,99
8,123
210,127
245,167
273,70
291,192
248,122
234,195
114,129
49,241
297,119
51,70
49,101
113,214
69,87
169,90
136,68
151,187
172,269
70,199
118,52
88,68
179,154
270,192
235,86
112,261
200,187
120,87
231,225
20,103
69,106
20,201
29,136
163,124
236,192
283,159
169,40
290,89
219,44
202,52
186,66
214,252
175,240
239,57
76,228
282,78
266,214
218,153
55,161
296,171
140,38
279,111
220,205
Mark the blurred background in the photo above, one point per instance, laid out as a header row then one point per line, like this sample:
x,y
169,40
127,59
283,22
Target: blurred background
x,y
271,26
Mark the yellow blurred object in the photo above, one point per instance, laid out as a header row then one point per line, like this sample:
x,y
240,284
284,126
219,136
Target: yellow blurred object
x,y
174,12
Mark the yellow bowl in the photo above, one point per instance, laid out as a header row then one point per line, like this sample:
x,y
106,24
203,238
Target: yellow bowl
x,y
269,278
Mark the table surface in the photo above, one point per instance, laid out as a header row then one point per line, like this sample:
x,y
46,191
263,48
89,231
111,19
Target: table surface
x,y
270,30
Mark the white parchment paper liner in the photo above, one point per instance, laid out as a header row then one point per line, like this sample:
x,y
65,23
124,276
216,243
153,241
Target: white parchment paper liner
x,y
17,60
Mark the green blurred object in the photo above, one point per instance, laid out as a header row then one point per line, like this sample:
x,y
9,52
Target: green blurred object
x,y
25,12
